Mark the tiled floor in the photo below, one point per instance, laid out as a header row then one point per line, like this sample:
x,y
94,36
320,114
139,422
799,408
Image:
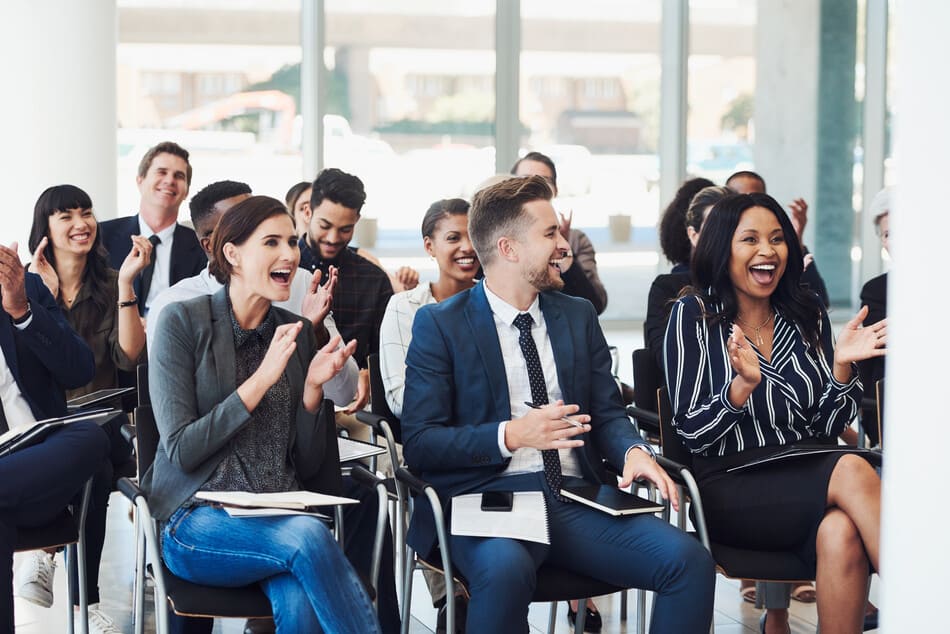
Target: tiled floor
x,y
731,616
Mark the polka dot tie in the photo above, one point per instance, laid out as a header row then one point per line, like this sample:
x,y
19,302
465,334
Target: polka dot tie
x,y
539,396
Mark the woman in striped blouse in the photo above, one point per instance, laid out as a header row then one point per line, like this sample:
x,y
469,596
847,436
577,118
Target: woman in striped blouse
x,y
752,370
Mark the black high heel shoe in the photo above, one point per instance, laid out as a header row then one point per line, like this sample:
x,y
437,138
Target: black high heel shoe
x,y
592,621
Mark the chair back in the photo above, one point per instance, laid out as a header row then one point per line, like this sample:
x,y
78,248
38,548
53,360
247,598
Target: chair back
x,y
671,445
377,400
141,384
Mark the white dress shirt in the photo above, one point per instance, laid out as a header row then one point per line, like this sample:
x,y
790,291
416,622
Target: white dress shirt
x,y
341,389
526,460
395,333
161,256
15,407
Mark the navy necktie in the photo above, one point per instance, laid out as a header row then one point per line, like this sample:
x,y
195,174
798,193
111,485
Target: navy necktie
x,y
539,396
147,273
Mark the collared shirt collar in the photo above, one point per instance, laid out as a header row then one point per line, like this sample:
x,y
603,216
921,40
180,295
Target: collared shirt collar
x,y
146,232
506,312
264,331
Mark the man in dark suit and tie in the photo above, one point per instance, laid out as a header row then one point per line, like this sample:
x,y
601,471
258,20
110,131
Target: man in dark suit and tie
x,y
41,355
164,176
475,359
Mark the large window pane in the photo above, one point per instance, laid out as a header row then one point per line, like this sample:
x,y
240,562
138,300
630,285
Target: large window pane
x,y
221,78
410,105
590,99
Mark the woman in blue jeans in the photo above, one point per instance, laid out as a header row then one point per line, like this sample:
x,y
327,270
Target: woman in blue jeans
x,y
237,388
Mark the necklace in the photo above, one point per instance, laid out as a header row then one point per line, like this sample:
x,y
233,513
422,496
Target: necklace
x,y
757,329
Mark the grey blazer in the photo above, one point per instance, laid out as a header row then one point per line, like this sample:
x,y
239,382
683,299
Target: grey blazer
x,y
197,409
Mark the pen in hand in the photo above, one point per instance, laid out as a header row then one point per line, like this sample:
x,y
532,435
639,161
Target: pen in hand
x,y
564,418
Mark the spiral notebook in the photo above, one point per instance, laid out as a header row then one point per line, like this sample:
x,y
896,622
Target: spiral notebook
x,y
527,519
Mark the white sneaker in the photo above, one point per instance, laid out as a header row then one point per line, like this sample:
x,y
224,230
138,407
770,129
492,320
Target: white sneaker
x,y
34,578
100,623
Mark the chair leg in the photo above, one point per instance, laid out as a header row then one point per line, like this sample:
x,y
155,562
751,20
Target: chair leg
x,y
581,617
407,592
139,582
623,605
69,557
641,611
552,617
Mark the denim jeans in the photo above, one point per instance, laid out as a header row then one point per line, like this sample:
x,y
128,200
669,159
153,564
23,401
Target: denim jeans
x,y
295,559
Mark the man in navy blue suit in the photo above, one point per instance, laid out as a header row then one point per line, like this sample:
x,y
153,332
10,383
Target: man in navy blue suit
x,y
474,360
164,176
41,356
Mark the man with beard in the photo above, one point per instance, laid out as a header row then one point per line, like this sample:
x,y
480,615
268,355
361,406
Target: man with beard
x,y
492,374
363,291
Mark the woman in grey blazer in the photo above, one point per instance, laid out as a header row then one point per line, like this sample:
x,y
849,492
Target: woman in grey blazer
x,y
237,387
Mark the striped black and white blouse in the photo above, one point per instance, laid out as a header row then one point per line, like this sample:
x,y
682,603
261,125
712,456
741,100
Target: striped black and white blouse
x,y
797,398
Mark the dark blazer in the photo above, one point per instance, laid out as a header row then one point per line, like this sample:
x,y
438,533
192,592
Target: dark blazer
x,y
874,296
47,357
664,290
188,259
457,394
197,409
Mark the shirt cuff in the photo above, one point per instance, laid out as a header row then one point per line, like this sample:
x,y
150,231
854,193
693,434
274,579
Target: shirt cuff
x,y
505,453
644,446
838,385
724,397
26,323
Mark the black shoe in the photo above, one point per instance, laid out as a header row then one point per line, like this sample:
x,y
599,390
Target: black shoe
x,y
461,612
592,622
762,620
871,621
259,626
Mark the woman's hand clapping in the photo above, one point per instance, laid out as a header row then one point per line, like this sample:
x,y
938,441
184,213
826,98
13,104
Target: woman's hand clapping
x,y
42,267
745,362
325,365
857,343
137,259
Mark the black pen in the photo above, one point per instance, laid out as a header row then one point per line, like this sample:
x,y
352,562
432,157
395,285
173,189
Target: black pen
x,y
564,418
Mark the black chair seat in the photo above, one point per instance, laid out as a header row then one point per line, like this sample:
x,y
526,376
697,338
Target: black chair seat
x,y
197,600
741,563
554,583
58,532
557,584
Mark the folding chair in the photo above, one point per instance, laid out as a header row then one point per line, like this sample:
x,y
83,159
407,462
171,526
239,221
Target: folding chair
x,y
190,599
69,530
554,583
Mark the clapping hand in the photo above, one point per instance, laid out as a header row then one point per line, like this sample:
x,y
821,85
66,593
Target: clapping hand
x,y
13,282
408,277
564,224
799,217
743,358
328,361
857,343
318,300
137,259
282,346
42,267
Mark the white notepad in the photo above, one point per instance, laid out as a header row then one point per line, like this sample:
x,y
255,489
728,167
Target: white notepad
x,y
527,519
294,500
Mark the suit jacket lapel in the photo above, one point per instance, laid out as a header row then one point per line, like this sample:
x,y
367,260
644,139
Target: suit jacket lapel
x,y
178,256
222,343
562,344
482,325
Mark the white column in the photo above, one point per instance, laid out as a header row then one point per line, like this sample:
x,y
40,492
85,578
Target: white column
x,y
875,112
312,84
916,553
674,55
58,107
786,99
507,83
